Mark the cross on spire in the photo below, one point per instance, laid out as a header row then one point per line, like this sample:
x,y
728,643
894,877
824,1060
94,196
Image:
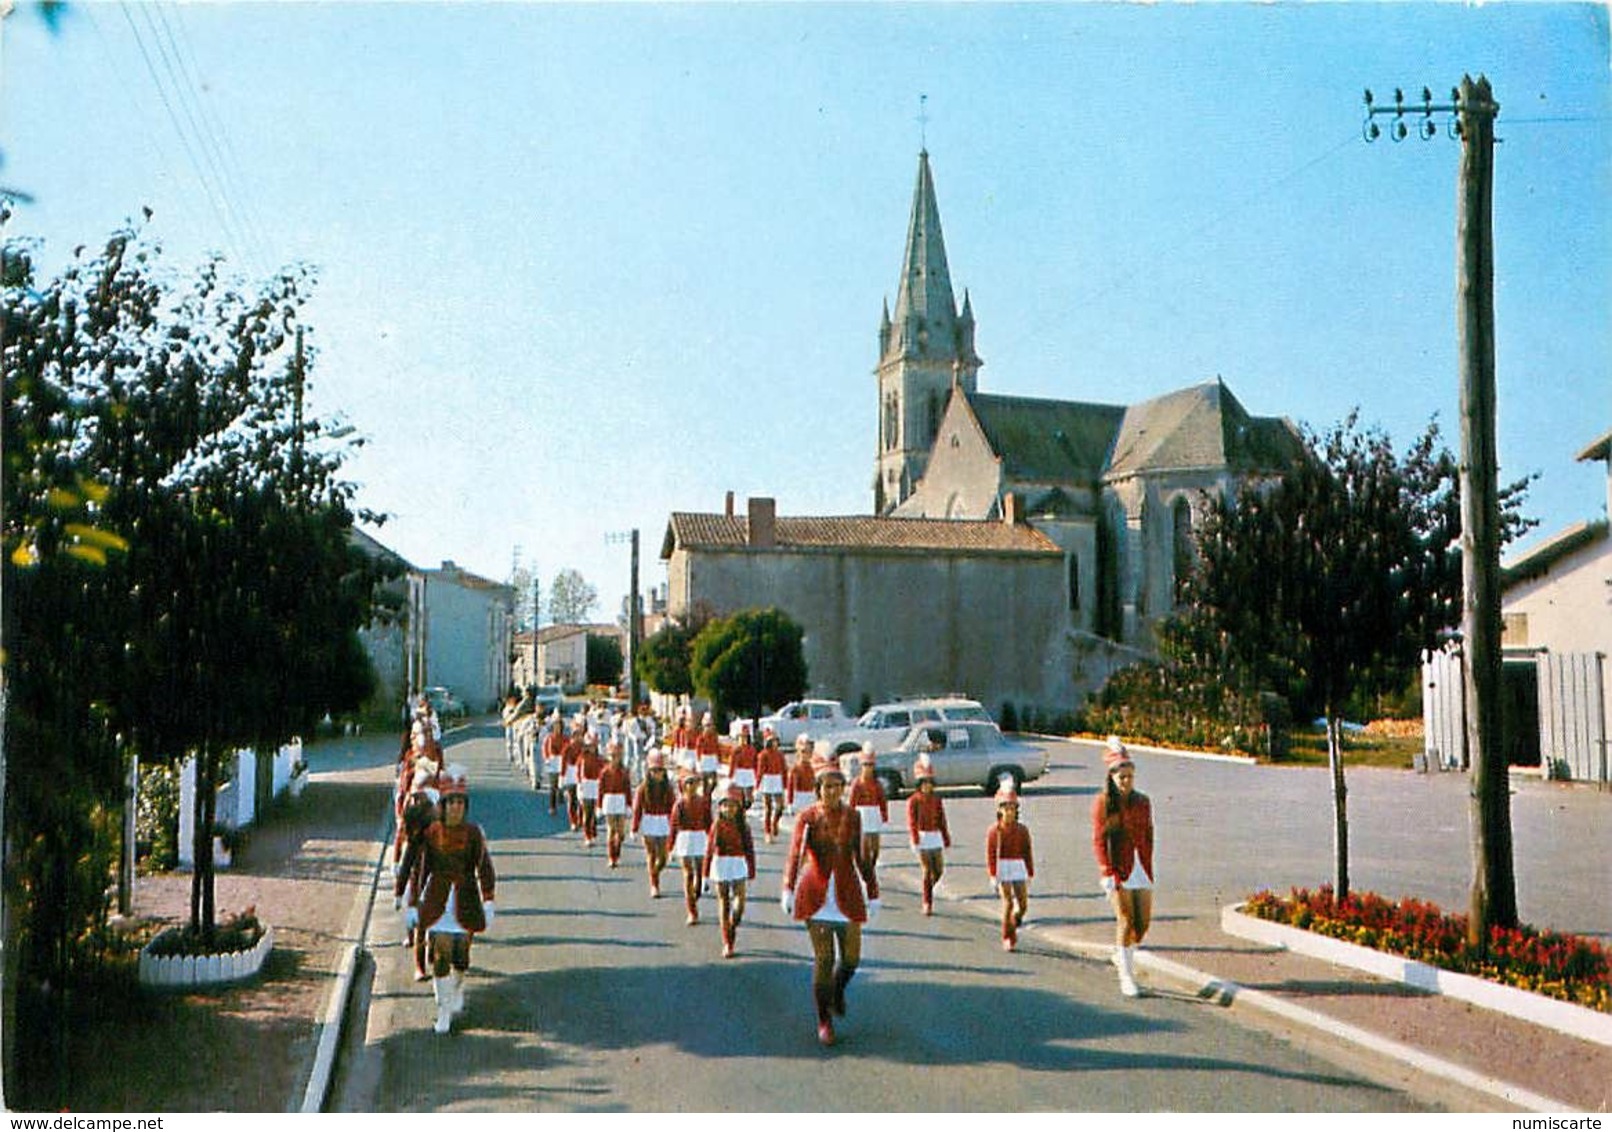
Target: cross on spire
x,y
923,123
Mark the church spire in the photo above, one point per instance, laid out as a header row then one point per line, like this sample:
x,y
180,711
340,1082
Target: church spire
x,y
926,310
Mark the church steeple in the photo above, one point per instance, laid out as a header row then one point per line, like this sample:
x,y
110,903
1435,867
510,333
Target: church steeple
x,y
925,347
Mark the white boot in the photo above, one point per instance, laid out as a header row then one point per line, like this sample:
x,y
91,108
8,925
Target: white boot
x,y
1127,975
456,983
443,994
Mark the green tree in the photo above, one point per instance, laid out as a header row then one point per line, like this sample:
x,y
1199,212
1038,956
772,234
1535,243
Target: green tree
x,y
605,659
752,658
1330,581
571,599
179,573
663,661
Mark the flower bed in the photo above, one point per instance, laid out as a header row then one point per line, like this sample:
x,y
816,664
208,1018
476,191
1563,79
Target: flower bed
x,y
180,957
1565,967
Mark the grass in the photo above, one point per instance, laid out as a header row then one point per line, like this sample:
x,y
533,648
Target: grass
x,y
1307,746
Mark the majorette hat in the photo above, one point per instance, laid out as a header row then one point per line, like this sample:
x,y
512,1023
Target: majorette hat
x,y
454,780
655,760
1005,794
706,720
734,794
825,767
868,757
923,768
425,775
1115,755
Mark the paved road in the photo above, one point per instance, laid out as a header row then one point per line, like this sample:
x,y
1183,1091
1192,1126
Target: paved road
x,y
588,996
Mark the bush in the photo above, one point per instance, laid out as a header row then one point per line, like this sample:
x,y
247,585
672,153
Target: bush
x,y
1175,705
1560,966
239,932
157,817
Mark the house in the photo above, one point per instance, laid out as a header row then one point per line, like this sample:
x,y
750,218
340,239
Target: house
x,y
562,652
1556,608
459,631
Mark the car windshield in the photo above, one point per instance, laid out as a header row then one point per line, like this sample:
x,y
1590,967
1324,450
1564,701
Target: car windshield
x,y
970,711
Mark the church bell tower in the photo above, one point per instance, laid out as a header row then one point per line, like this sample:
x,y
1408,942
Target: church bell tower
x,y
925,348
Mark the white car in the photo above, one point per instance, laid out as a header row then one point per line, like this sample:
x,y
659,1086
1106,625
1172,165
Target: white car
x,y
962,753
811,717
885,725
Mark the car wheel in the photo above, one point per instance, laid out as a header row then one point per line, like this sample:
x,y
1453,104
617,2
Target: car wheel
x,y
847,749
993,781
891,781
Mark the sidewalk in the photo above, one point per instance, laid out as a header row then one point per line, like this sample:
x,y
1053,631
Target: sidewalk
x,y
250,1048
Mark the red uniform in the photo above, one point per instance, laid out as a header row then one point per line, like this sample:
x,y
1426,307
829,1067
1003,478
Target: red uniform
x,y
744,758
827,844
615,780
926,812
1011,841
1118,840
801,780
647,801
693,814
706,744
731,839
866,793
456,861
770,760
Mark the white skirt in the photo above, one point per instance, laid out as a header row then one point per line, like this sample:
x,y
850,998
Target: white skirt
x,y
872,820
588,789
744,778
449,922
772,784
684,757
689,843
1010,869
570,777
708,764
1138,877
830,911
930,839
615,805
730,868
655,825
551,765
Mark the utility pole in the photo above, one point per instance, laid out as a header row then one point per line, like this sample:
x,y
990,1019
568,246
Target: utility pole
x,y
537,616
1494,885
635,622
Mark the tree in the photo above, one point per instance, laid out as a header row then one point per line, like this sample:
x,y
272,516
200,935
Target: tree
x,y
520,580
179,573
752,658
605,659
571,598
663,661
1331,581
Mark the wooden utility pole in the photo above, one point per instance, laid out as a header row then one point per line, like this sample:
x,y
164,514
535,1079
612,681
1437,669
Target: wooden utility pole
x,y
1494,884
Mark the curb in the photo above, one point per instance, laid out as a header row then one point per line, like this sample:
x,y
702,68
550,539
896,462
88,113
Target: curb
x,y
1554,1014
332,1024
1224,992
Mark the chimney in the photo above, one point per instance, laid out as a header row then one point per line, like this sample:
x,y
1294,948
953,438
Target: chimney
x,y
763,523
728,507
1010,509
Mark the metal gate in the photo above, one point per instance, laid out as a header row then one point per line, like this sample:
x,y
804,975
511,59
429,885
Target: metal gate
x,y
1572,716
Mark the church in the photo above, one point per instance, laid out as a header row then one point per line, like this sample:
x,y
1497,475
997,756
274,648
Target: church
x,y
1019,549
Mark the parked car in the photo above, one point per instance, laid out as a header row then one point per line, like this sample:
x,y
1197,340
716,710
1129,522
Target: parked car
x,y
809,716
548,696
446,704
963,753
885,725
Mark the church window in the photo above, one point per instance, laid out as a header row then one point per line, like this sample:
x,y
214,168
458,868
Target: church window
x,y
955,442
1074,583
1181,546
892,421
934,415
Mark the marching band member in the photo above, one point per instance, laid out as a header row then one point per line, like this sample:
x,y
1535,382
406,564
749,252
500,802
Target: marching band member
x,y
867,796
771,769
731,864
742,766
800,784
589,767
708,753
1122,842
1010,863
652,815
691,823
615,792
926,828
830,887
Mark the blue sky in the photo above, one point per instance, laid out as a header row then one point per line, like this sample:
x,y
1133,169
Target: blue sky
x,y
582,266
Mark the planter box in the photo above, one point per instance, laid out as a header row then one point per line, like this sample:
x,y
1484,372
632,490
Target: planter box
x,y
182,972
1565,1017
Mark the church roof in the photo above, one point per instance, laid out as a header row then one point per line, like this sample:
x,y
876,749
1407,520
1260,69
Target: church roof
x,y
1202,426
698,531
1047,441
926,282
